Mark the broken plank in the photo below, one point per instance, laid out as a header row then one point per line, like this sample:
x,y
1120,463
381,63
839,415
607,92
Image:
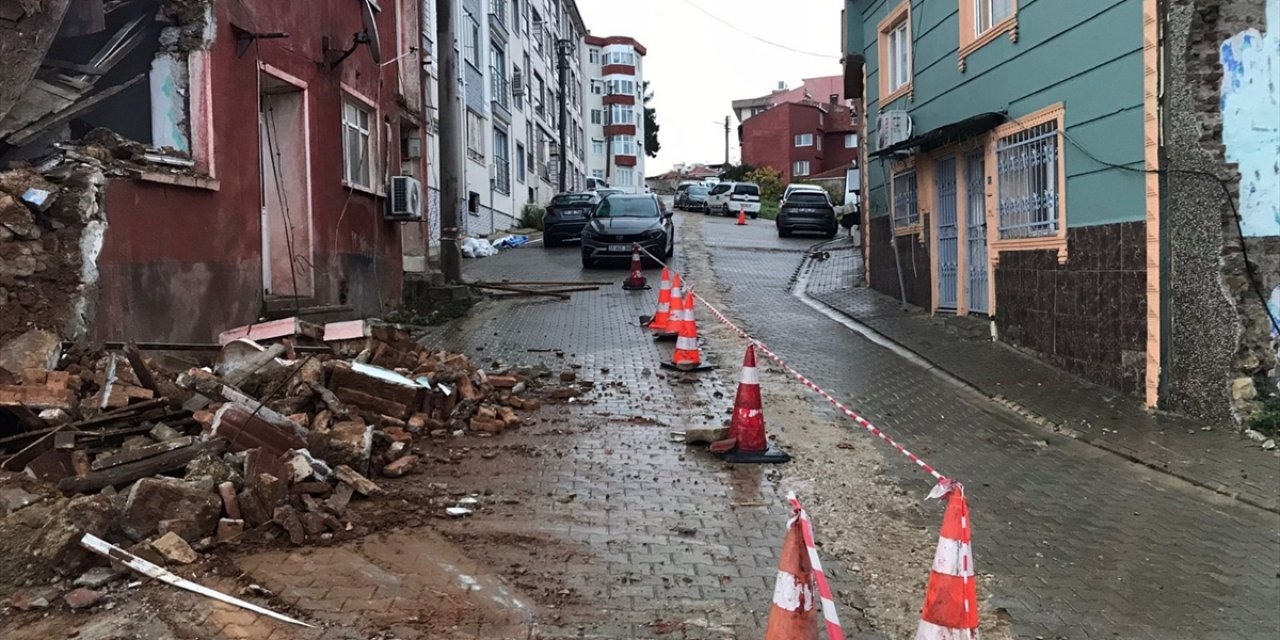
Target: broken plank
x,y
528,292
126,473
31,131
141,453
140,369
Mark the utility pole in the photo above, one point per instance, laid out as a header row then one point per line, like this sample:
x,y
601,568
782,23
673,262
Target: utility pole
x,y
451,158
563,48
726,140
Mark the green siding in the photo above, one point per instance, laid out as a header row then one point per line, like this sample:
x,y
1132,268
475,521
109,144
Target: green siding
x,y
1086,54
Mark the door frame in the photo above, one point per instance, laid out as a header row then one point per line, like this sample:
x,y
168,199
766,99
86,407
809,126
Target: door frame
x,y
264,231
929,163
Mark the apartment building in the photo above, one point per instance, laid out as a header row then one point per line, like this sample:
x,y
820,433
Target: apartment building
x,y
614,105
510,91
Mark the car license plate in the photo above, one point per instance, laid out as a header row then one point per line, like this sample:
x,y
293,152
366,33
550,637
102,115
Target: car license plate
x,y
572,214
619,248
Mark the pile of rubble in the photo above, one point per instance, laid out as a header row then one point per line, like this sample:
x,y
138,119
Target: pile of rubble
x,y
289,424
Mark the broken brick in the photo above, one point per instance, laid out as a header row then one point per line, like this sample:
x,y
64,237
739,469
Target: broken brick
x,y
174,549
82,598
400,467
154,499
229,529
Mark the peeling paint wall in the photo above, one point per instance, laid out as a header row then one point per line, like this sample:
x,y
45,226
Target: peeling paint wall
x,y
1251,121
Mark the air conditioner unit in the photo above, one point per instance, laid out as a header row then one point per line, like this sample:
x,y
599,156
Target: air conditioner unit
x,y
405,199
517,84
892,127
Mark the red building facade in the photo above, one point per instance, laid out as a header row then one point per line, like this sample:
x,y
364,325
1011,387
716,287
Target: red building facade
x,y
800,139
293,148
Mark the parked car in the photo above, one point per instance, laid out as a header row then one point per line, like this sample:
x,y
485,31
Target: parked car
x,y
605,193
727,198
695,198
800,186
565,216
806,210
682,189
623,220
594,183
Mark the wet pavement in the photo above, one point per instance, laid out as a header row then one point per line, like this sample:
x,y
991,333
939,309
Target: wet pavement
x,y
1214,456
1080,543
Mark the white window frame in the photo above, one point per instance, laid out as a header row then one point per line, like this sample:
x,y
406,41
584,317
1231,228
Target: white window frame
x,y
475,136
624,146
624,177
593,55
597,87
597,116
367,132
851,141
987,14
597,147
622,114
471,42
804,140
800,168
899,62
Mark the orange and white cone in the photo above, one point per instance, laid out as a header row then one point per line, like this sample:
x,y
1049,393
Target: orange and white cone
x,y
742,215
671,329
687,356
747,442
794,614
636,281
951,602
663,315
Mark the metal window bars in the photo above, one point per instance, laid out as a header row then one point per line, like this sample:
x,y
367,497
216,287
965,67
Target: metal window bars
x,y
1027,166
906,204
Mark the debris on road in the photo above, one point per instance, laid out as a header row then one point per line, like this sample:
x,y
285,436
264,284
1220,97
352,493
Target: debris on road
x,y
274,439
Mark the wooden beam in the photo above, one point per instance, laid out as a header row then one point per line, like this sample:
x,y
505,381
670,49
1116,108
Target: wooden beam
x,y
126,473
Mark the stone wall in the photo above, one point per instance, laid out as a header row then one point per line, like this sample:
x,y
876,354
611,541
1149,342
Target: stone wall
x,y
1088,316
48,252
1218,343
913,256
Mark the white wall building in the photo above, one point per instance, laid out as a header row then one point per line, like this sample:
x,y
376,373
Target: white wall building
x,y
510,101
614,109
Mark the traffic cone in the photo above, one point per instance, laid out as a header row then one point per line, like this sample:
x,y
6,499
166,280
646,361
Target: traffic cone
x,y
662,316
636,281
687,356
951,602
671,331
746,428
742,215
794,614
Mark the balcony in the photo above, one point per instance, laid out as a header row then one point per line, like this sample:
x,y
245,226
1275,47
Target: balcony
x,y
500,94
498,21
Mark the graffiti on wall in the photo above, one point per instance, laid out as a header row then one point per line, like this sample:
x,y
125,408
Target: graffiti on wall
x,y
1250,125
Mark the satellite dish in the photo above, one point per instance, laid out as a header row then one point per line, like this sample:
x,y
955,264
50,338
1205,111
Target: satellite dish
x,y
371,31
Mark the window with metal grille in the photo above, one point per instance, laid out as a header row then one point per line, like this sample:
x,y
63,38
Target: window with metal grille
x,y
501,165
906,203
1027,166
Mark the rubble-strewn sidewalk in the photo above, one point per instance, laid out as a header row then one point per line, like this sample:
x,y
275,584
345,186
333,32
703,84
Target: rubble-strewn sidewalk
x,y
1211,456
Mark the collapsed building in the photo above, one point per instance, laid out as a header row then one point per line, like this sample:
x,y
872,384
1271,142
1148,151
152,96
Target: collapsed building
x,y
172,168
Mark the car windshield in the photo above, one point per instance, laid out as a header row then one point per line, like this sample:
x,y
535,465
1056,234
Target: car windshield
x,y
571,198
633,207
608,192
807,197
698,191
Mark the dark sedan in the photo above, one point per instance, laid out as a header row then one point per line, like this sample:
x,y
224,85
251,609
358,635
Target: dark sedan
x,y
620,221
565,217
695,199
807,211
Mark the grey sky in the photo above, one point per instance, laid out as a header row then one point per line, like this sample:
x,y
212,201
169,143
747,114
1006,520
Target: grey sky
x,y
696,66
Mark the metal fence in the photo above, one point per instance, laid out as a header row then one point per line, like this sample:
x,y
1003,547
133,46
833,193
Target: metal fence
x,y
1027,163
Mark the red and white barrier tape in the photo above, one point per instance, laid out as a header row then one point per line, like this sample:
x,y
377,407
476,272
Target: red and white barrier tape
x,y
863,422
834,630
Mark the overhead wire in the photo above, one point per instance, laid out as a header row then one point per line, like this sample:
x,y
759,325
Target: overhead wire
x,y
755,37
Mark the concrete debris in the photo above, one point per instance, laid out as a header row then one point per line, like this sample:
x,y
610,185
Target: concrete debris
x,y
82,598
174,549
26,601
273,442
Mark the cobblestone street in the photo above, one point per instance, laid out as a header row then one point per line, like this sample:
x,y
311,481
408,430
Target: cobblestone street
x,y
1080,543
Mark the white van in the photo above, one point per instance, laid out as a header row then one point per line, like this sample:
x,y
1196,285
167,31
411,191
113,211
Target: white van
x,y
728,198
